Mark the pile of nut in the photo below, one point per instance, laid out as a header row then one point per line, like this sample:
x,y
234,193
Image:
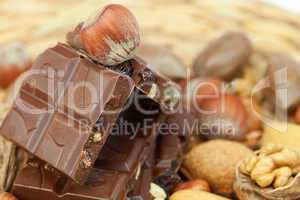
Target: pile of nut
x,y
273,165
227,77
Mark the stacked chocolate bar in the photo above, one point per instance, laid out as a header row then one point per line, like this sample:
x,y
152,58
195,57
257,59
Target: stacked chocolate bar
x,y
93,129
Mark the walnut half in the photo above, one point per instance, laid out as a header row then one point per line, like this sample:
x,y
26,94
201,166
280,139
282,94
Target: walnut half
x,y
273,173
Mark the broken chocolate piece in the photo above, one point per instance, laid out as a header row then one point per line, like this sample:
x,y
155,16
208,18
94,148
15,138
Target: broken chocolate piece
x,y
111,179
160,89
168,154
142,188
57,106
168,160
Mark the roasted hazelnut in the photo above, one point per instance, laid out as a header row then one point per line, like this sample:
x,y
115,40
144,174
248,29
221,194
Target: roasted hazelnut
x,y
198,184
210,86
201,88
7,196
223,57
14,60
223,117
111,36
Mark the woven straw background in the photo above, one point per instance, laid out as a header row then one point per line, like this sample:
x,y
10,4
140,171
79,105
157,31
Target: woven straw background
x,y
183,25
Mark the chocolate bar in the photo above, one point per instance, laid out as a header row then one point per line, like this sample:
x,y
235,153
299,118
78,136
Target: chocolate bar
x,y
65,96
33,183
153,85
169,154
168,160
142,188
141,191
115,174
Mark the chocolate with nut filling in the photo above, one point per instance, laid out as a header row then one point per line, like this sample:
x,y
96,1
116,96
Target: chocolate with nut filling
x,y
58,104
153,85
38,183
141,191
115,174
168,160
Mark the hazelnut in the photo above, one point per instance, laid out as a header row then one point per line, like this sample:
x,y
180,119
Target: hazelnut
x,y
111,36
297,115
224,116
73,37
198,184
14,60
224,57
7,196
201,88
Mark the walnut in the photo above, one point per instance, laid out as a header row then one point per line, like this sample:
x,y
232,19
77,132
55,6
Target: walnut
x,y
273,173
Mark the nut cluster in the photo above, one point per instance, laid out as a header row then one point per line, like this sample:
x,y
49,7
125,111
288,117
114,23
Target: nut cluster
x,y
274,166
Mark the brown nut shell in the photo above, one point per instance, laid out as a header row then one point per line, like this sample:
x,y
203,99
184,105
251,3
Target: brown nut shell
x,y
111,36
215,161
224,56
223,117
